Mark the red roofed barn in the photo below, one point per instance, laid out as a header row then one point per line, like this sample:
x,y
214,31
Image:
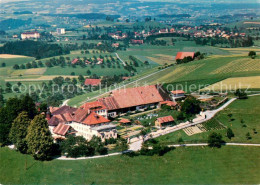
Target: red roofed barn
x,y
164,121
182,55
93,82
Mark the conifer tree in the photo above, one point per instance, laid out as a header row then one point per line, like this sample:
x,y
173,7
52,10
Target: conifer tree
x,y
18,131
39,139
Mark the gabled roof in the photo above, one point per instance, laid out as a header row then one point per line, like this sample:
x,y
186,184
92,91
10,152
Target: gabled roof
x,y
96,105
124,121
54,121
178,92
165,119
169,103
63,110
93,82
93,118
80,115
74,61
131,97
182,55
61,129
110,103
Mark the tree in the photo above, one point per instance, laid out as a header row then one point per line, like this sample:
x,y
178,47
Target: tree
x,y
191,106
230,133
241,94
39,139
122,145
81,78
248,136
18,131
215,140
252,53
3,64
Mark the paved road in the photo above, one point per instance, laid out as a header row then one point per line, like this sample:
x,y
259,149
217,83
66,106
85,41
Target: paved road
x,y
120,59
65,102
206,144
177,145
137,143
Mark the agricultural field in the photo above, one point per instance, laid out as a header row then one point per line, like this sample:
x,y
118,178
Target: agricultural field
x,y
192,76
199,165
242,116
231,84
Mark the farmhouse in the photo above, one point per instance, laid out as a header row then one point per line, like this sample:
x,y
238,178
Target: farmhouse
x,y
30,35
124,121
92,82
75,61
169,103
61,31
164,121
133,41
182,55
132,99
177,94
164,30
80,122
97,107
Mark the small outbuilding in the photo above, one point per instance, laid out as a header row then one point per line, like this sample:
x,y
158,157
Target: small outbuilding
x,y
164,121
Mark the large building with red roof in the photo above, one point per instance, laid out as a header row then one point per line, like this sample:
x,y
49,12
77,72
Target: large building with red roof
x,y
82,121
132,99
182,55
92,82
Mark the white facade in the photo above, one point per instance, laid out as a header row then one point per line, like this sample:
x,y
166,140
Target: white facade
x,y
61,31
32,35
88,131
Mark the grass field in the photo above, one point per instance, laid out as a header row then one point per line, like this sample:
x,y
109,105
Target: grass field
x,y
192,165
199,74
229,84
244,112
12,61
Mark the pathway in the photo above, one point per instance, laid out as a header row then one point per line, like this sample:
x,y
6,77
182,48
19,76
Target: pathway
x,y
120,59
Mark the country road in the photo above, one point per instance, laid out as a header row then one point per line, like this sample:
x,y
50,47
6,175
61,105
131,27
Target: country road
x,y
120,59
177,145
136,143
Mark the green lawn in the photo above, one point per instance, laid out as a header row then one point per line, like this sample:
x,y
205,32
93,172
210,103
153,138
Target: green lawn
x,y
191,165
12,61
248,110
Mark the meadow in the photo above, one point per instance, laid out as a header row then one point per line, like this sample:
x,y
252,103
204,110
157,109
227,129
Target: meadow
x,y
252,82
242,116
189,165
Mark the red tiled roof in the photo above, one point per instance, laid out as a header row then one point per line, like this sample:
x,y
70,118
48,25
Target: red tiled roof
x,y
52,109
137,41
178,92
93,82
131,97
93,118
63,110
110,103
55,120
169,103
96,105
74,61
165,119
61,129
124,121
80,115
182,55
125,77
30,33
